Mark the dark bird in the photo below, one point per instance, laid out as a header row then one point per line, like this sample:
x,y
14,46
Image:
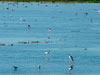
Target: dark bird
x,y
76,14
90,20
75,45
28,26
85,48
11,44
7,8
15,68
46,5
86,13
48,37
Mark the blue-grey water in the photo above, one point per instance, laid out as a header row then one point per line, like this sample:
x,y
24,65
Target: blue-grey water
x,y
74,28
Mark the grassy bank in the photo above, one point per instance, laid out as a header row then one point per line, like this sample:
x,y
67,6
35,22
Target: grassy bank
x,y
80,1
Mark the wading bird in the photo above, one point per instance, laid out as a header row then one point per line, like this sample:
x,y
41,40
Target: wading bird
x,y
47,52
39,67
86,13
90,20
71,58
70,68
49,29
28,26
15,68
85,48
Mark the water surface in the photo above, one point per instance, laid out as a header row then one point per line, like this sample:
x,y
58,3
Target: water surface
x,y
71,32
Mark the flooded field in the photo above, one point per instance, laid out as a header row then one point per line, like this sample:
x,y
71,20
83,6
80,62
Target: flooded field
x,y
38,38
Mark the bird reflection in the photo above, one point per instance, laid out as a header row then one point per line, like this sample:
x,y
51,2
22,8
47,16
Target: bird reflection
x,y
46,53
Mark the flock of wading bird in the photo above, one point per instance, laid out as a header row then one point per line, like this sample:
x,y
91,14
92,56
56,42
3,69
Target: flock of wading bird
x,y
49,30
46,53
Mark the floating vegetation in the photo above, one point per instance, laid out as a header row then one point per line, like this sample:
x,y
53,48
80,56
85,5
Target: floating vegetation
x,y
35,42
27,42
24,42
48,41
2,44
75,31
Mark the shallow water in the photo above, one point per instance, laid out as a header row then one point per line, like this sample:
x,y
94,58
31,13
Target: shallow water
x,y
70,34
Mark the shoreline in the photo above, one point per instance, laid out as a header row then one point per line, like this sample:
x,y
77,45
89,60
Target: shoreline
x,y
56,1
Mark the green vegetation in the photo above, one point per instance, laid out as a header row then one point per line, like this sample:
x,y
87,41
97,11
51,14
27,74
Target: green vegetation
x,y
91,1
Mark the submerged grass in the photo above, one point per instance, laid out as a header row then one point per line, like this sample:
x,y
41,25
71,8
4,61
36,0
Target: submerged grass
x,y
80,1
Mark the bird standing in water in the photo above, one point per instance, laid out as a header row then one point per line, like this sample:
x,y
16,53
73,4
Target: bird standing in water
x,y
90,20
71,58
70,68
47,52
85,48
86,13
49,29
28,26
15,68
39,67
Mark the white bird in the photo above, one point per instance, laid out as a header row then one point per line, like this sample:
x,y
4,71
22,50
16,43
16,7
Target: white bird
x,y
39,67
21,19
49,29
70,68
47,52
99,11
71,58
